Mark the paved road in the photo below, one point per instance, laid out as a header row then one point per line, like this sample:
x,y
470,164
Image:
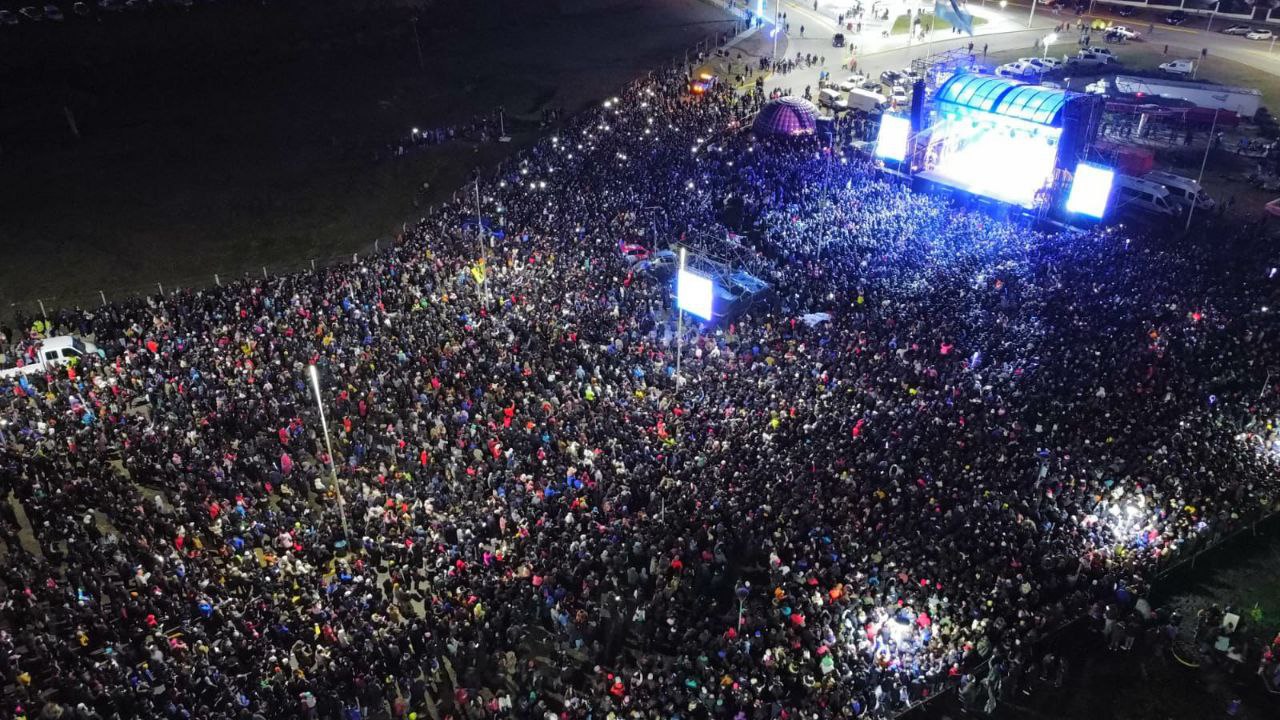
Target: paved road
x,y
1005,29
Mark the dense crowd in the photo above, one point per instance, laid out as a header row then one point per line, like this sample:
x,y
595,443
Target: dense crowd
x,y
940,436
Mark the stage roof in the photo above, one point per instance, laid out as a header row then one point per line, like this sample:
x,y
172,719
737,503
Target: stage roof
x,y
1003,96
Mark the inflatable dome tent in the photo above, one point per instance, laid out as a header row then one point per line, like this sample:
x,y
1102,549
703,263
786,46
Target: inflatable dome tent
x,y
786,116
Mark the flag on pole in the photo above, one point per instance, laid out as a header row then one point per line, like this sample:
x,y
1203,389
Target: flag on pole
x,y
952,13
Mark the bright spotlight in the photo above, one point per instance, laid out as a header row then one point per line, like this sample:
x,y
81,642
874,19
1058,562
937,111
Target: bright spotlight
x,y
694,293
891,143
1090,190
899,630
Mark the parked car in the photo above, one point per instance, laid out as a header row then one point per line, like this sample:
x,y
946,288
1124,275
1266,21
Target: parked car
x,y
52,352
890,77
1125,11
54,13
1088,57
1178,67
31,13
1177,17
1103,51
1045,64
1237,30
81,9
899,96
1259,34
111,5
1018,70
853,81
8,18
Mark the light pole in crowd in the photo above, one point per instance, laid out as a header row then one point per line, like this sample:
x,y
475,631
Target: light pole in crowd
x,y
484,265
333,470
679,326
1213,15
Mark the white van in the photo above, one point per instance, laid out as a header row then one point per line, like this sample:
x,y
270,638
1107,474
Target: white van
x,y
832,98
1145,195
1184,191
51,352
1178,67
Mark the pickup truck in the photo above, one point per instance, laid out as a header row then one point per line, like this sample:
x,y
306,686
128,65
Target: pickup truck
x,y
52,352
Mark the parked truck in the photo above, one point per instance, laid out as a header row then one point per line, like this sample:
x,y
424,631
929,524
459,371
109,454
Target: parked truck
x,y
866,101
1243,101
50,353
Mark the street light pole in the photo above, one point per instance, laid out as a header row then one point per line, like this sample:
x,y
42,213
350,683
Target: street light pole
x,y
333,470
1032,16
675,405
679,327
1213,15
484,265
417,42
776,5
1199,178
1048,40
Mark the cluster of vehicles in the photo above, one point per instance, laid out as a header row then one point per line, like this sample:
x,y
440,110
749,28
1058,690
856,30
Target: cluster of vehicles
x,y
1161,194
1180,17
51,12
1249,32
859,92
1031,68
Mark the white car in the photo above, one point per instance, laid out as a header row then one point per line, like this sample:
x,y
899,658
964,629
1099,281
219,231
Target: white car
x,y
854,81
1103,51
900,97
1237,30
1045,63
1122,31
1088,57
1018,70
1259,35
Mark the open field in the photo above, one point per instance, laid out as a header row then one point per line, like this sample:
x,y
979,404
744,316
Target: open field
x,y
936,24
225,156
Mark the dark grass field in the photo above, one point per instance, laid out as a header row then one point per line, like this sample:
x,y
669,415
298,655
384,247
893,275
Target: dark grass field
x,y
235,136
